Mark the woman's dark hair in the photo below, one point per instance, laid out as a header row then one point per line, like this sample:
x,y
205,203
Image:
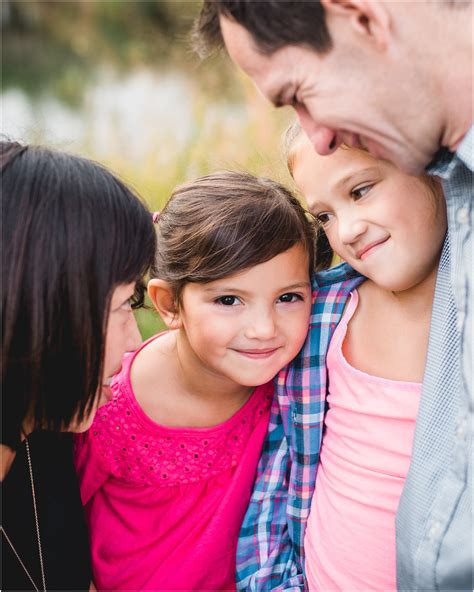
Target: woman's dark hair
x,y
272,24
224,223
71,233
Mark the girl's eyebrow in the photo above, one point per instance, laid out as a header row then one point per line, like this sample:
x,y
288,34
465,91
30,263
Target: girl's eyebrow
x,y
235,289
355,174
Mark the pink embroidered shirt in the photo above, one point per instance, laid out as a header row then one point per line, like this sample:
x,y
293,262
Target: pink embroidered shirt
x,y
165,505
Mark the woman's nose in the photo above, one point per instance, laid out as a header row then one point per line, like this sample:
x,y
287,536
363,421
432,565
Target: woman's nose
x,y
134,339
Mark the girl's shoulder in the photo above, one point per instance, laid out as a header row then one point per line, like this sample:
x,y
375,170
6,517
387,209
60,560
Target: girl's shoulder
x,y
340,274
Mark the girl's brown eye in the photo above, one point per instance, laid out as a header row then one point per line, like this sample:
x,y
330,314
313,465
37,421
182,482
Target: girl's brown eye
x,y
227,300
323,218
360,191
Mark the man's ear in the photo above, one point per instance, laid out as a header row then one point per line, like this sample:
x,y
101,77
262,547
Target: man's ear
x,y
163,299
369,18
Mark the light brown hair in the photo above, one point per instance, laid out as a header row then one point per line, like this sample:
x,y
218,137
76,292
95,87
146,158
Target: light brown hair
x,y
224,223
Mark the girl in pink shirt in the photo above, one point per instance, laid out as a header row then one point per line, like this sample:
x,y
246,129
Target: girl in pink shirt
x,y
167,468
390,227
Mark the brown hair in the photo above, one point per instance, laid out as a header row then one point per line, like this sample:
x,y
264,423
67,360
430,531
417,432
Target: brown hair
x,y
291,137
224,223
273,24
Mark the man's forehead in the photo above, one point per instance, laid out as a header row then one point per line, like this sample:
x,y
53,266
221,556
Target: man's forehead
x,y
271,78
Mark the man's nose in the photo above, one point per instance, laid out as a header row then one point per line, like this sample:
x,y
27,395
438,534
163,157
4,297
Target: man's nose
x,y
324,139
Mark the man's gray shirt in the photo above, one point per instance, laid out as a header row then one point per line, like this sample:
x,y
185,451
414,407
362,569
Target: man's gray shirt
x,y
434,519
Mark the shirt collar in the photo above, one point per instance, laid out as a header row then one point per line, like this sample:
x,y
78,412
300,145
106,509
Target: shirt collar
x,y
445,161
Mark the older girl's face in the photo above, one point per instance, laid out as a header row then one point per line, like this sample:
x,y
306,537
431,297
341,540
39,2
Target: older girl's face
x,y
122,336
386,224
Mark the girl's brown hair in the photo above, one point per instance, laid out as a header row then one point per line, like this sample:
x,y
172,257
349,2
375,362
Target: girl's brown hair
x,y
291,138
224,223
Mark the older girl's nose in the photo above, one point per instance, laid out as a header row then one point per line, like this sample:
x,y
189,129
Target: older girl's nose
x,y
350,228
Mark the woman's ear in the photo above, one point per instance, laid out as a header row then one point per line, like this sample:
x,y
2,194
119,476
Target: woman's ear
x,y
163,298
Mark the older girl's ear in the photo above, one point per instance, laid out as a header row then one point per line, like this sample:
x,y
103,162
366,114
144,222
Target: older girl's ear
x,y
163,299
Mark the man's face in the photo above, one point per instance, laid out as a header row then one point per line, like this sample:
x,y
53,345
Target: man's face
x,y
353,94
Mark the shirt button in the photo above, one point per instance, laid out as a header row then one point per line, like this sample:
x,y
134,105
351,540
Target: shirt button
x,y
434,531
462,216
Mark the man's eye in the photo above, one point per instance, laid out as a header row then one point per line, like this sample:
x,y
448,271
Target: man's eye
x,y
360,191
290,297
227,300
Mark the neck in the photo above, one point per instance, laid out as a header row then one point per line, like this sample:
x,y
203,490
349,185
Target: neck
x,y
451,61
7,456
417,301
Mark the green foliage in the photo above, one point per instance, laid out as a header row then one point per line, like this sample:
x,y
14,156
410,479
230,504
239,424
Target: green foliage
x,y
61,50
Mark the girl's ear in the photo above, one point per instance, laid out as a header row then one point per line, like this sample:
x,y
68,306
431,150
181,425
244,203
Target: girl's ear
x,y
163,299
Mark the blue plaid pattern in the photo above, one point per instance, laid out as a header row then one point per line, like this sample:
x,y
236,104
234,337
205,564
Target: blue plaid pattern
x,y
270,552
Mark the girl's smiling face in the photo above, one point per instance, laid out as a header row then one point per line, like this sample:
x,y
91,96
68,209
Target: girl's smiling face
x,y
246,327
388,225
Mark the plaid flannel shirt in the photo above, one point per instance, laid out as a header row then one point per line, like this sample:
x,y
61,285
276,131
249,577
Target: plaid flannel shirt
x,y
270,553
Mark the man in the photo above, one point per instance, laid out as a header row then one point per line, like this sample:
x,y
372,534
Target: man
x,y
395,77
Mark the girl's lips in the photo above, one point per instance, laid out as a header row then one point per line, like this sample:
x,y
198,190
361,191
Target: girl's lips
x,y
257,353
369,249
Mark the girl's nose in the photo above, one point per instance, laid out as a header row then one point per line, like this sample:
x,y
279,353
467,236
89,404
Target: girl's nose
x,y
350,228
261,326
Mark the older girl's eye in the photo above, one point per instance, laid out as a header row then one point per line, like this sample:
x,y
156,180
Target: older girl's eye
x,y
323,218
227,300
290,297
360,191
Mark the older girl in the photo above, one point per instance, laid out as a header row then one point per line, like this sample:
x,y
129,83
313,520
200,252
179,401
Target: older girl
x,y
356,384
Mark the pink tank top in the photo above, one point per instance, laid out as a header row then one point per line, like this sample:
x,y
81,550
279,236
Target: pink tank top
x,y
365,455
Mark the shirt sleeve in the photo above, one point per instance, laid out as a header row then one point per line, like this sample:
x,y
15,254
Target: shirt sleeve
x,y
266,558
91,471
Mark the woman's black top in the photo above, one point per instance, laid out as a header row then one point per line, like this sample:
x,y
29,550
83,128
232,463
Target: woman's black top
x,y
62,526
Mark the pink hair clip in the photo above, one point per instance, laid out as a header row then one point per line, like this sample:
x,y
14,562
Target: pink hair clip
x,y
156,217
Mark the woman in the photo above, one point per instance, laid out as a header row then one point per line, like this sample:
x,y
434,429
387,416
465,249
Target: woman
x,y
76,243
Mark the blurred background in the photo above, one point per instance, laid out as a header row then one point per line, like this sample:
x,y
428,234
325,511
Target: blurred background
x,y
118,81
